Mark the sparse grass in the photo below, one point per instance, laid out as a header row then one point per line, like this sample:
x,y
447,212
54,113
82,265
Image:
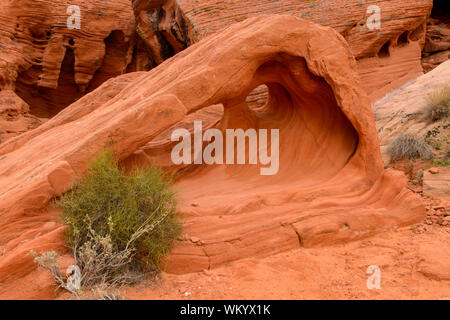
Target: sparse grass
x,y
119,226
438,105
438,163
409,147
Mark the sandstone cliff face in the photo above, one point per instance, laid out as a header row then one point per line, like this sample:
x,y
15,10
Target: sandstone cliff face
x,y
437,45
49,65
387,57
331,186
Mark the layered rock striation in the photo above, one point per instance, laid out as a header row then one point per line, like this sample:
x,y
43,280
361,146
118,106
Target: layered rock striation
x,y
388,55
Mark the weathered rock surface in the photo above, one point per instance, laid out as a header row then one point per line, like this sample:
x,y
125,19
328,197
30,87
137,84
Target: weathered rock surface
x,y
437,46
387,58
50,65
437,43
435,262
413,266
14,115
163,27
331,186
401,111
437,185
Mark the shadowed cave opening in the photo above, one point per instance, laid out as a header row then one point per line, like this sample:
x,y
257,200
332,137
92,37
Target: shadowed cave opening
x,y
403,39
47,102
115,60
384,51
441,8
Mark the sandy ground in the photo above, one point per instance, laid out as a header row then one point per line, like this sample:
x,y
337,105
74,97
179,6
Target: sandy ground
x,y
413,262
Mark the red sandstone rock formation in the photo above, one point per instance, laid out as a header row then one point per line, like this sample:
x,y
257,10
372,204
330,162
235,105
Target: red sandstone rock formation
x,y
163,27
14,115
387,58
49,66
437,45
331,186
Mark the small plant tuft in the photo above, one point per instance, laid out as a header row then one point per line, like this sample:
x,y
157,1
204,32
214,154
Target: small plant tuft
x,y
438,163
409,147
50,261
438,107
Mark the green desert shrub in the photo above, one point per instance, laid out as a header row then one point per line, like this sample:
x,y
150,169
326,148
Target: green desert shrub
x,y
409,147
438,104
119,226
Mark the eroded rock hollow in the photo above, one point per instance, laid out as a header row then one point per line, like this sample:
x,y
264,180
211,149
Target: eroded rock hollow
x,y
330,186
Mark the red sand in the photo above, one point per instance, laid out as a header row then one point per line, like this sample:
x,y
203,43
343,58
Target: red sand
x,y
335,272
